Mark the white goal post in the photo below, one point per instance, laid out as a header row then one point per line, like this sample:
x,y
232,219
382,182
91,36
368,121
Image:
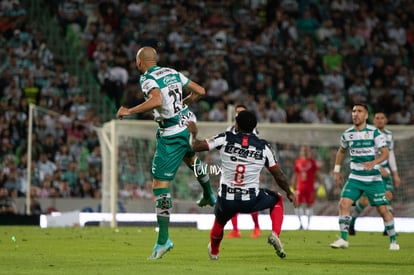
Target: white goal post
x,y
117,134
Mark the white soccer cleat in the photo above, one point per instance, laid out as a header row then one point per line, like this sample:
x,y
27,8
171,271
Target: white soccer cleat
x,y
277,245
340,243
394,246
212,256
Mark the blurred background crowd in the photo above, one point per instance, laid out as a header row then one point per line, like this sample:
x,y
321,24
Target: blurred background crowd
x,y
303,61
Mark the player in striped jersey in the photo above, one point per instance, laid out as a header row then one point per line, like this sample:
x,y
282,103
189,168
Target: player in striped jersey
x,y
243,155
235,233
363,141
163,91
389,172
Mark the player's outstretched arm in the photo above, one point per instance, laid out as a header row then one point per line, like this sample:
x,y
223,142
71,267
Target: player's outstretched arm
x,y
154,100
196,144
196,92
283,182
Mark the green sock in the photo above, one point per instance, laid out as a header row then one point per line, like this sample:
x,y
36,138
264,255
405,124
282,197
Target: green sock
x,y
343,226
163,206
389,206
359,207
389,227
202,177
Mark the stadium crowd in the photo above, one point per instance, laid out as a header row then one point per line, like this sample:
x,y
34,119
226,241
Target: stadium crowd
x,y
289,61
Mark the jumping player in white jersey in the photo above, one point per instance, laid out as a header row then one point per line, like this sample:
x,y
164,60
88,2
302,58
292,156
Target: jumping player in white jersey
x,y
389,172
163,90
363,142
243,156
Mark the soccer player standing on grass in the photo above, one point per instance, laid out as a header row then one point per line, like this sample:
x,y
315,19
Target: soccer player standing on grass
x,y
305,174
243,156
235,233
389,172
363,142
163,91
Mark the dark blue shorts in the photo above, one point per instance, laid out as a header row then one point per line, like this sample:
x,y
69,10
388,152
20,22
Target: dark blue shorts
x,y
226,209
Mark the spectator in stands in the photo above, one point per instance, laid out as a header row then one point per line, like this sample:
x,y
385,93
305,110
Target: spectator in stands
x,y
35,206
73,89
310,113
70,178
403,116
79,108
117,82
334,78
276,113
7,204
332,60
95,158
45,166
31,91
218,112
62,158
17,15
86,189
358,87
217,88
289,59
70,12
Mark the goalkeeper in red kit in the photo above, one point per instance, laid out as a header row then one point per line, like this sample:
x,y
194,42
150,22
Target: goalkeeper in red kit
x,y
305,175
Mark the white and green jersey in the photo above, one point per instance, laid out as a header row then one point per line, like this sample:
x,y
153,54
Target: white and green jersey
x,y
173,115
363,146
390,145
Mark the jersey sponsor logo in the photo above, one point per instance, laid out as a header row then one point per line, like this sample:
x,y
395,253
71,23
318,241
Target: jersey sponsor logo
x,y
184,118
363,143
379,198
169,79
241,152
161,72
245,141
361,151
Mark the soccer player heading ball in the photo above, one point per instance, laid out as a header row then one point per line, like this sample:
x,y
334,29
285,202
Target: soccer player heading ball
x,y
163,91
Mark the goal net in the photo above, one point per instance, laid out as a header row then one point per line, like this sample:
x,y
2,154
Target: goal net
x,y
128,145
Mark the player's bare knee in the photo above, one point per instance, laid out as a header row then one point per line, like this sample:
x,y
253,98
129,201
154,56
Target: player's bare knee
x,y
345,205
384,212
364,201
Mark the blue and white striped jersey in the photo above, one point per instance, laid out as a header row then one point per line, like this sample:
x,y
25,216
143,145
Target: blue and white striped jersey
x,y
243,156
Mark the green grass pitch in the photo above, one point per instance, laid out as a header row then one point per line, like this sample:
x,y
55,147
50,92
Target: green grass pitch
x,y
95,250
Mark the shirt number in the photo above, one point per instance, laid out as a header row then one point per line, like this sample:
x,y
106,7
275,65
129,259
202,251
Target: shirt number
x,y
239,175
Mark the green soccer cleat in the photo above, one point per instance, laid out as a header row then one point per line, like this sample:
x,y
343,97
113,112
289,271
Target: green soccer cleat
x,y
160,250
277,244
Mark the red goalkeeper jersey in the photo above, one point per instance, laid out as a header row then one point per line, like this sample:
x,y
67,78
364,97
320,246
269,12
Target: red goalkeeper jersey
x,y
306,170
